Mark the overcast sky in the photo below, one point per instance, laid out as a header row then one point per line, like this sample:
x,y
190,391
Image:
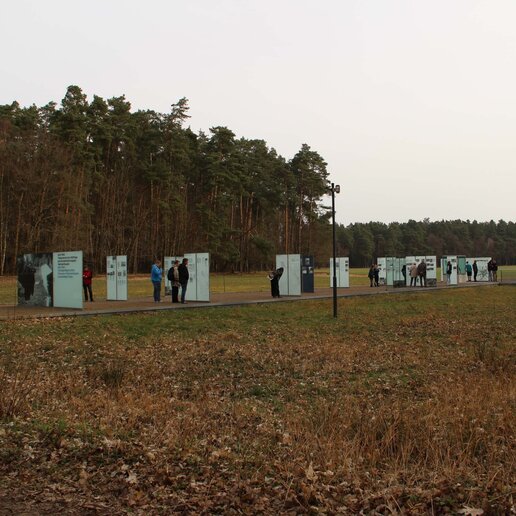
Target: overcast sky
x,y
411,103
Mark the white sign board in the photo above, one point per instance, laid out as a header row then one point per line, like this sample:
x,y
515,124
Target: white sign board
x,y
191,289
67,275
121,278
382,271
198,288
483,273
342,272
430,269
203,276
294,275
454,278
111,278
282,262
116,277
290,281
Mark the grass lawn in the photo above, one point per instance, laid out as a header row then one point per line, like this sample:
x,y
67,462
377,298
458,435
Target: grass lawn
x,y
405,402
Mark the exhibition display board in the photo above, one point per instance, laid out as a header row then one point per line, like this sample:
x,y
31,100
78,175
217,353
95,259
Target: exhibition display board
x,y
198,288
116,277
290,281
396,272
454,278
483,273
67,273
341,272
391,271
307,274
382,271
35,279
50,279
461,269
431,269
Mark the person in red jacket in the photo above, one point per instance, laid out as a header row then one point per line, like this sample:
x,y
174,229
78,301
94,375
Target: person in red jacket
x,y
86,283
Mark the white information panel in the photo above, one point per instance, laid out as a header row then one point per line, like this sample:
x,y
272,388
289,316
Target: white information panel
x,y
282,262
342,272
483,273
203,276
454,278
382,270
294,275
121,278
409,260
431,270
168,261
111,278
67,276
191,290
116,277
290,281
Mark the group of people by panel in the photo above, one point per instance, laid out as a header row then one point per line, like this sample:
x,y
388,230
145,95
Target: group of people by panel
x,y
178,276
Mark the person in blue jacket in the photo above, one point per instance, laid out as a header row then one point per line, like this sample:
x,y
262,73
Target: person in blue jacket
x,y
156,276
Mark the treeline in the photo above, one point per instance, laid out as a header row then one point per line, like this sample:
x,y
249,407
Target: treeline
x,y
365,242
96,176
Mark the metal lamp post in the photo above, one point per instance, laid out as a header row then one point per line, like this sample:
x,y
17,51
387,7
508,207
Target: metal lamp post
x,y
334,189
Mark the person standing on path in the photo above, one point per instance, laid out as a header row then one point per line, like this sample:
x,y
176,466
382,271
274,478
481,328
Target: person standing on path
x,y
413,275
475,270
184,276
448,272
156,276
490,269
469,270
495,270
376,273
274,277
86,283
421,272
175,282
370,275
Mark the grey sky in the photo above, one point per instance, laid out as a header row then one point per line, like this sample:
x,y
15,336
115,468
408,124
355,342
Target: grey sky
x,y
411,103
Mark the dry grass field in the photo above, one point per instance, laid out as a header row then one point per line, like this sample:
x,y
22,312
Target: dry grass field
x,y
405,404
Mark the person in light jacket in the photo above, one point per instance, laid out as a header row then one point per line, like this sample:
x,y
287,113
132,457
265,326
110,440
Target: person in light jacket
x,y
413,275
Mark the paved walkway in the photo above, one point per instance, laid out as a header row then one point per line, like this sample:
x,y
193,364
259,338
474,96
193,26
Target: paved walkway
x,y
146,304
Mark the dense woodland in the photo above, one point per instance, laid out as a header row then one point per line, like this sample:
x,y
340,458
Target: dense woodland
x,y
93,175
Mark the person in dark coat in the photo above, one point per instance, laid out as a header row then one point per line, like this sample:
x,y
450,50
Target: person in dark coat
x,y
27,279
421,272
174,280
370,275
274,277
475,270
449,269
184,276
376,273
